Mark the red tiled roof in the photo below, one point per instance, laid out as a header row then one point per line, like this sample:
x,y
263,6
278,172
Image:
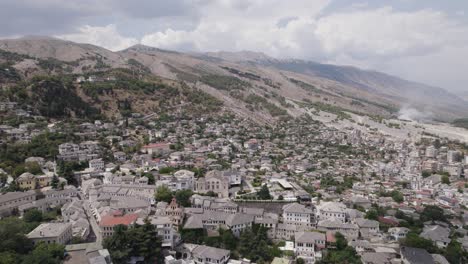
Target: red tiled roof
x,y
111,220
157,145
388,221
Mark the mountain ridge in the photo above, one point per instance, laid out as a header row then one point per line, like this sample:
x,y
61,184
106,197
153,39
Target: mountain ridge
x,y
283,82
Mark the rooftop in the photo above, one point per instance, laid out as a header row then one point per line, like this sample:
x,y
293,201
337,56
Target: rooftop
x,y
49,230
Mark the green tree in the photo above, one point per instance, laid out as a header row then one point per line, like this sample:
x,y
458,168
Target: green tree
x,y
33,167
433,213
454,253
342,254
445,179
183,197
414,240
426,174
12,232
163,193
32,216
55,182
372,214
264,193
397,196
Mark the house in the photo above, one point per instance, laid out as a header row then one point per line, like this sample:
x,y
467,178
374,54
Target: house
x,y
306,244
397,233
175,212
12,200
59,233
349,230
331,210
367,228
213,220
438,234
205,255
213,182
110,221
411,255
376,258
97,165
298,214
27,181
120,156
156,148
181,180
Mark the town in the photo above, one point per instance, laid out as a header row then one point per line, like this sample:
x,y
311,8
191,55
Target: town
x,y
222,189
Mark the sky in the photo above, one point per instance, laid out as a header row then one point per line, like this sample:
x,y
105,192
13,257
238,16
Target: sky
x,y
419,40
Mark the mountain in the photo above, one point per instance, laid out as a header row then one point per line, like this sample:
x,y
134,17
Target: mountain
x,y
247,83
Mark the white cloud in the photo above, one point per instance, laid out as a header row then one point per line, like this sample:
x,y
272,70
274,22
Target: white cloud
x,y
359,35
408,43
107,37
386,33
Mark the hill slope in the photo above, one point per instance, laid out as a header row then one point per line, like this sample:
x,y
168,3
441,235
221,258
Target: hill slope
x,y
249,84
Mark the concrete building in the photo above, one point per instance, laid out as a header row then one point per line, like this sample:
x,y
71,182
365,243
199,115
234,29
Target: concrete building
x,y
306,244
110,221
59,233
12,200
331,210
298,215
213,182
97,165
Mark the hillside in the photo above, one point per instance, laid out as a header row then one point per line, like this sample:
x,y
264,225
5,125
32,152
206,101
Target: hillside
x,y
247,83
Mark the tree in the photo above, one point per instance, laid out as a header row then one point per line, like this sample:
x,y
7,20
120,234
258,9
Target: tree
x,y
397,196
135,241
55,182
32,216
163,193
183,197
372,214
33,167
454,253
445,179
12,232
264,193
433,213
342,254
425,174
414,240
300,261
280,198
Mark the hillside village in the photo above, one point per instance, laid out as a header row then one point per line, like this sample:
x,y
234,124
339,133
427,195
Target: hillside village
x,y
197,189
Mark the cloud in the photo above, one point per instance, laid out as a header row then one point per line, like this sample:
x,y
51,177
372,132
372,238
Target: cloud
x,y
409,42
107,37
387,33
358,35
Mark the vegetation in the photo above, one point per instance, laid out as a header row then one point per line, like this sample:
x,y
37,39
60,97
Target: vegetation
x,y
15,247
343,254
165,195
257,102
42,92
462,122
224,82
264,193
139,240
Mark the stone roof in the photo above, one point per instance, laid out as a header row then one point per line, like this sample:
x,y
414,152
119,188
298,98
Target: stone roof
x,y
436,233
416,255
296,208
309,237
210,252
48,230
